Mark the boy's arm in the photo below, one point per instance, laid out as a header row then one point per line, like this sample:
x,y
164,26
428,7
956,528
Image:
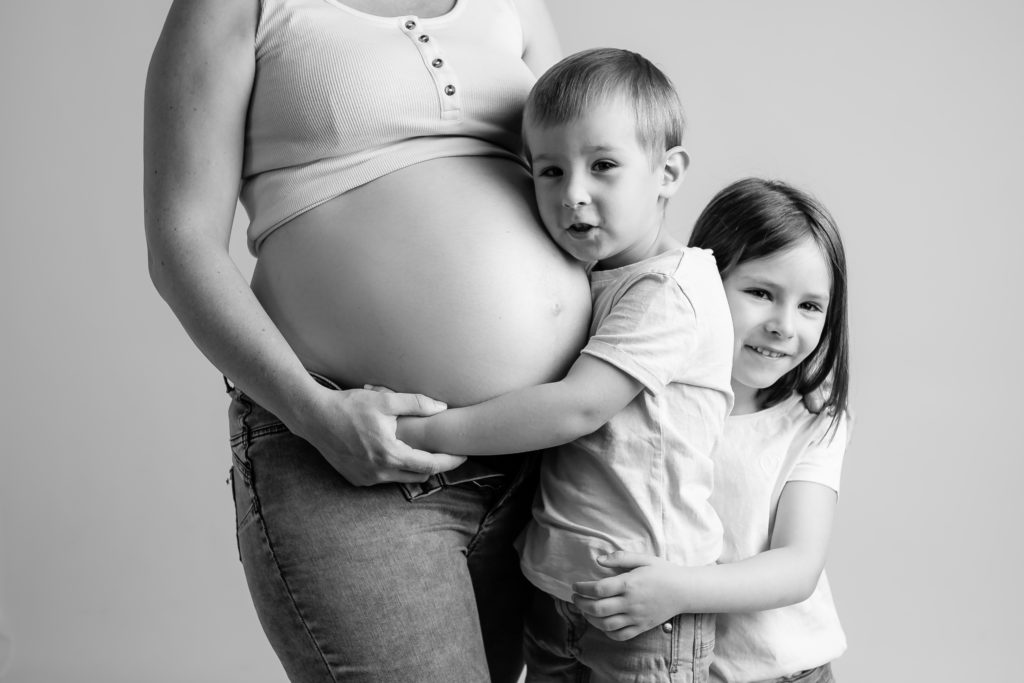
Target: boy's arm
x,y
652,591
528,419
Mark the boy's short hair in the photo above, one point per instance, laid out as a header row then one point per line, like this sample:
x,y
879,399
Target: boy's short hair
x,y
587,79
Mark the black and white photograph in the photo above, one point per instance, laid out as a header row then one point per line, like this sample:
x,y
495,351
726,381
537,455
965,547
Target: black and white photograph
x,y
510,341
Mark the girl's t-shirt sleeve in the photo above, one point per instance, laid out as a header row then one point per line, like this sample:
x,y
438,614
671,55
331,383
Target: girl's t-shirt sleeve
x,y
650,333
822,458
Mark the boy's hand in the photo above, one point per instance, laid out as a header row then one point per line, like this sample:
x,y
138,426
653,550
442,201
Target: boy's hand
x,y
815,400
631,603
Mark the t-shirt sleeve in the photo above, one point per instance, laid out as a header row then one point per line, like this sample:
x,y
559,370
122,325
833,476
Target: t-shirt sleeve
x,y
649,333
822,459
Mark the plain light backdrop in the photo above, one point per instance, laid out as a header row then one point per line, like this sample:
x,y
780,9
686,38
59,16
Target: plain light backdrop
x,y
117,557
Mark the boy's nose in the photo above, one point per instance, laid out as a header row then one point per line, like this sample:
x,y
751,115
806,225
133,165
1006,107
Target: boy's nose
x,y
575,194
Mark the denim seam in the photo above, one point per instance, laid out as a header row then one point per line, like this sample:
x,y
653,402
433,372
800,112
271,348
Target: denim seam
x,y
698,644
284,581
242,465
247,436
488,519
251,433
573,637
673,644
241,521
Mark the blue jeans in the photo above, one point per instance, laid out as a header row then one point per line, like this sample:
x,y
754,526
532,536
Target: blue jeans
x,y
561,645
382,583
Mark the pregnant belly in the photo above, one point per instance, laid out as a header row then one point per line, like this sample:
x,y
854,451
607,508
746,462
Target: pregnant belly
x,y
435,279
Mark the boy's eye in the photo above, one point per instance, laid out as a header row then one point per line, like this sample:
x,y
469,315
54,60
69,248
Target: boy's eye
x,y
758,293
812,306
603,165
549,172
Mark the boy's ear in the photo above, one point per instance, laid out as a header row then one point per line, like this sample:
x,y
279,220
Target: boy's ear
x,y
673,171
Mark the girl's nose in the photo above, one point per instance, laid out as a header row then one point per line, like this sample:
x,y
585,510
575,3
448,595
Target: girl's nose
x,y
781,324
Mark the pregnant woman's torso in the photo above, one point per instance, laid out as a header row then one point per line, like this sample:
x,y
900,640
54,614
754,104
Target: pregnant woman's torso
x,y
397,240
436,278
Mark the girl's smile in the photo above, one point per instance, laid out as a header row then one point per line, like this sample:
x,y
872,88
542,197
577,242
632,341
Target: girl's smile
x,y
766,352
778,306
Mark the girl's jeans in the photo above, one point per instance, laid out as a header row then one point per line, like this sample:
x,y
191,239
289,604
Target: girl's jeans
x,y
382,583
561,645
821,674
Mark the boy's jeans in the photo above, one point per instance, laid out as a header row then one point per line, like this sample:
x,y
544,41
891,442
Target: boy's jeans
x,y
821,674
562,646
381,583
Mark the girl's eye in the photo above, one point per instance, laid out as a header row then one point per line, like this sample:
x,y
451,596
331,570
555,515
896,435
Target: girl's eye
x,y
758,293
812,306
603,165
549,172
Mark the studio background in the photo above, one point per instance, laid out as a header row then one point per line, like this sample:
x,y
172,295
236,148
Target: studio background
x,y
117,557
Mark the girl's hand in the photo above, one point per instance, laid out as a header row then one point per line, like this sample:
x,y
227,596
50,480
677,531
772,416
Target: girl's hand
x,y
355,432
631,603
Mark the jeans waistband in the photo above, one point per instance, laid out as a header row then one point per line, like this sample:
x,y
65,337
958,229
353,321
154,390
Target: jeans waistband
x,y
485,470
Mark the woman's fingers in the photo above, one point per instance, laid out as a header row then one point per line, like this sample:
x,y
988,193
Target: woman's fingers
x,y
424,464
356,433
413,405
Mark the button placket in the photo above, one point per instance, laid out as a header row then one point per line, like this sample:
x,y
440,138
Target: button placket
x,y
437,66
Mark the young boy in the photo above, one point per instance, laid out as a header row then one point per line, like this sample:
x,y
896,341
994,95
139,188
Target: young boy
x,y
641,408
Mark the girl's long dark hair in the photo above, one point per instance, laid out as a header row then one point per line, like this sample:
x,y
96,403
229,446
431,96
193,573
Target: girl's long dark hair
x,y
755,218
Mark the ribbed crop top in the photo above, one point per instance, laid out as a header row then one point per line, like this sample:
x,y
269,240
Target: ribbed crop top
x,y
342,97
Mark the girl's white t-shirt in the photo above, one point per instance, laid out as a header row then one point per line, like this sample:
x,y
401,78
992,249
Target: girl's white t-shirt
x,y
757,455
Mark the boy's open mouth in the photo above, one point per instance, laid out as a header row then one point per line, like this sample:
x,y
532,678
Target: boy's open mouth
x,y
581,228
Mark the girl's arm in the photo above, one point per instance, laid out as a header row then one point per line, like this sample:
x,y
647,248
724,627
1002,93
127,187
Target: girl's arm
x,y
652,591
528,419
197,94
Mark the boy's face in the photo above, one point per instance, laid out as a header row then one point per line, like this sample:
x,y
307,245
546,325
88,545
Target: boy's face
x,y
598,190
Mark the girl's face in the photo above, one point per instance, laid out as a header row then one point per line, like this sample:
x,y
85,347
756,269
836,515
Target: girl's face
x,y
778,306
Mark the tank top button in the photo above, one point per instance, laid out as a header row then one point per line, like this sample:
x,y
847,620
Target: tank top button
x,y
449,89
437,63
424,38
410,24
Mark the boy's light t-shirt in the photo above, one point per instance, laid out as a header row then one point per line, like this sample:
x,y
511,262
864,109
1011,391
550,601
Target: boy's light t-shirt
x,y
642,482
757,455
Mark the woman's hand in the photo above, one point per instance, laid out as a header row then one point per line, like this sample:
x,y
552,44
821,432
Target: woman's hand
x,y
355,432
631,603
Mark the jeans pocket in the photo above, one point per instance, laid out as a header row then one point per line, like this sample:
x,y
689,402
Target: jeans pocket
x,y
821,674
242,494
